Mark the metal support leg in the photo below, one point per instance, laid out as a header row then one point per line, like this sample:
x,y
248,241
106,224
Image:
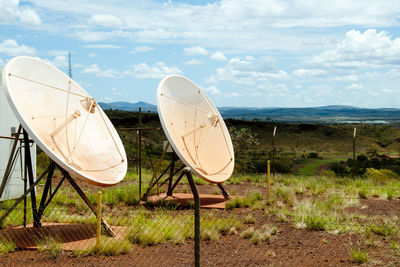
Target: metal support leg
x,y
196,216
87,201
28,165
226,194
46,190
171,175
30,189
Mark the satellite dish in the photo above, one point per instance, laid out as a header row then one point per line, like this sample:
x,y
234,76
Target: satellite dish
x,y
64,121
195,129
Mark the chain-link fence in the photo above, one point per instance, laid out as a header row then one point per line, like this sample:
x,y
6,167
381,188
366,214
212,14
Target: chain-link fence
x,y
305,221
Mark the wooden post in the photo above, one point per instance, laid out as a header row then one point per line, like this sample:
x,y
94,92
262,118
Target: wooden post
x,y
98,229
273,151
354,151
268,179
140,153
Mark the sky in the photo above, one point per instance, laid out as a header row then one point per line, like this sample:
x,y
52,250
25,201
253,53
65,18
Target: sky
x,y
244,53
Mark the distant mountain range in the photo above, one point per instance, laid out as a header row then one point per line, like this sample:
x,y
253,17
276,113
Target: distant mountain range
x,y
127,106
326,114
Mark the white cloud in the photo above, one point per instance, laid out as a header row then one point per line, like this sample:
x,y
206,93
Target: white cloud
x,y
231,25
59,61
213,90
107,99
105,20
10,47
1,62
10,12
95,36
345,78
102,46
308,72
218,56
354,86
195,51
92,55
106,73
157,71
142,49
360,50
29,16
194,61
94,68
247,71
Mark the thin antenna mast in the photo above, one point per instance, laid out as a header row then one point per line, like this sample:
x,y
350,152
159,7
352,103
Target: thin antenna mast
x,y
69,65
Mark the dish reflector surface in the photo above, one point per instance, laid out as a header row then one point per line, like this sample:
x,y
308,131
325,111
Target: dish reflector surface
x,y
195,129
64,121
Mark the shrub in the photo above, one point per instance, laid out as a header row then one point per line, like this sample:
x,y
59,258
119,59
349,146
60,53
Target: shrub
x,y
327,173
50,246
358,256
6,246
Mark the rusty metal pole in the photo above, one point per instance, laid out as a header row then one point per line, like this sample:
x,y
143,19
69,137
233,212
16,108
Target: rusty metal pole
x,y
196,216
140,152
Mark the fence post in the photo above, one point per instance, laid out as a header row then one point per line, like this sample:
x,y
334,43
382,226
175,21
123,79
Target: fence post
x,y
196,217
354,151
98,229
268,178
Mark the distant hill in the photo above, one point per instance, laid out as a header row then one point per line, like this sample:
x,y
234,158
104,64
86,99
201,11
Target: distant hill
x,y
325,114
127,106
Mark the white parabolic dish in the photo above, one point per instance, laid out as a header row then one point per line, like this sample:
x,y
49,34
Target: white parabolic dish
x,y
195,129
64,121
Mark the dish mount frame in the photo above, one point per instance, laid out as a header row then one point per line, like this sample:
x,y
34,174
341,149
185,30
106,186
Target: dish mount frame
x,y
48,192
157,181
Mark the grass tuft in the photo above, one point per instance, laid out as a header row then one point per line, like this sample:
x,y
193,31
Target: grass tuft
x,y
50,246
6,246
358,256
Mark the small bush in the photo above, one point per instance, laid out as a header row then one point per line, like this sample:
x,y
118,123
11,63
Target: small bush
x,y
248,233
6,246
363,193
327,173
315,223
50,246
383,229
108,247
358,256
249,219
394,245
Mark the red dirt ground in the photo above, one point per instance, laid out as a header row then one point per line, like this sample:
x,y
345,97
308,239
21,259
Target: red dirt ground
x,y
290,247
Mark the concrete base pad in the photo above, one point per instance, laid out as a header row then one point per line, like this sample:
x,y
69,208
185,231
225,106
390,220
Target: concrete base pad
x,y
72,236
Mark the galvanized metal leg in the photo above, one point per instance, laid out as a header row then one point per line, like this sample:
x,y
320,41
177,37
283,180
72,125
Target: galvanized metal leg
x,y
30,189
171,174
28,165
226,194
87,201
196,216
46,190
